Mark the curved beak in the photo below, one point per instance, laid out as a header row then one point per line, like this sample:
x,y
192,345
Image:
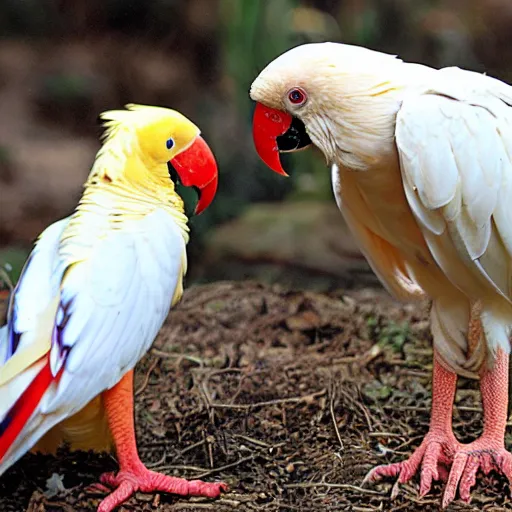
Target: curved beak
x,y
196,167
268,124
274,132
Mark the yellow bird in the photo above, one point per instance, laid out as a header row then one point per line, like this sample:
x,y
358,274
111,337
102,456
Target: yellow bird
x,y
93,295
421,163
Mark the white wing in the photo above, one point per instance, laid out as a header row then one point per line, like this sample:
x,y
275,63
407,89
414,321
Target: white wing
x,y
113,305
455,148
37,287
110,309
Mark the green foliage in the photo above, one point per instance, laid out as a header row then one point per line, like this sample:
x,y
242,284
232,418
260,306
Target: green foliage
x,y
377,391
389,334
12,260
67,86
253,34
5,155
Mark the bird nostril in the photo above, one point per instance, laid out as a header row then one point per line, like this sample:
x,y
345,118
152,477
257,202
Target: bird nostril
x,y
274,117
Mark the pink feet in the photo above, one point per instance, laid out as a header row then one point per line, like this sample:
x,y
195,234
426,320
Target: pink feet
x,y
142,479
484,454
133,475
436,454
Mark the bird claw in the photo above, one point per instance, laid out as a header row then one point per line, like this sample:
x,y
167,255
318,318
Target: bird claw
x,y
479,455
433,456
128,482
97,488
436,454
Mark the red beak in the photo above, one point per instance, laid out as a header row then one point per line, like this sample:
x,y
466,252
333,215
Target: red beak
x,y
197,168
268,124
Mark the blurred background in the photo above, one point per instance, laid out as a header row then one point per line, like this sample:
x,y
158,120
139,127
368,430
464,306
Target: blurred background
x,y
64,61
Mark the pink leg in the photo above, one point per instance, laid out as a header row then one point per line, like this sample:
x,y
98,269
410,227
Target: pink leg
x,y
436,451
488,451
133,475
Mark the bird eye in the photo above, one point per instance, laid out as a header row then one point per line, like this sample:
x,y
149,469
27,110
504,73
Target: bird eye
x,y
169,143
297,96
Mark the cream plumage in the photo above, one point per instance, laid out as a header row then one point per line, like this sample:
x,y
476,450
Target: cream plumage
x,y
422,171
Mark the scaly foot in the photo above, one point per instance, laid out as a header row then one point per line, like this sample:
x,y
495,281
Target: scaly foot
x,y
133,475
484,454
488,452
142,479
434,455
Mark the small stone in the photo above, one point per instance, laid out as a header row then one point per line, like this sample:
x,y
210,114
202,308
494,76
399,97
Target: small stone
x,y
54,485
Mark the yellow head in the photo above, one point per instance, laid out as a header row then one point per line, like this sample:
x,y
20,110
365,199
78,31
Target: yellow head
x,y
166,144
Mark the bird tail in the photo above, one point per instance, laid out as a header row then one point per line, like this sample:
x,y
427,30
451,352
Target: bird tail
x,y
18,415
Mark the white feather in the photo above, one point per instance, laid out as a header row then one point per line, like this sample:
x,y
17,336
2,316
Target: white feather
x,y
461,173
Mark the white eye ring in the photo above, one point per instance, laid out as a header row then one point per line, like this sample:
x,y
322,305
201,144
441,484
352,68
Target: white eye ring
x,y
170,143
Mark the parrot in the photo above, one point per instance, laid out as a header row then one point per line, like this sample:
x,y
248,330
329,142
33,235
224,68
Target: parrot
x,y
421,170
93,294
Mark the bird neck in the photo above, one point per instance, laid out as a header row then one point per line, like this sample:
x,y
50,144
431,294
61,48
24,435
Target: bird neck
x,y
361,128
126,186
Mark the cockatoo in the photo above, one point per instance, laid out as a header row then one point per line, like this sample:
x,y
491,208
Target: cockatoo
x,y
421,163
93,295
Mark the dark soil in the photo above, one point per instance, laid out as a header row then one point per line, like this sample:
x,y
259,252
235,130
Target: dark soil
x,y
289,397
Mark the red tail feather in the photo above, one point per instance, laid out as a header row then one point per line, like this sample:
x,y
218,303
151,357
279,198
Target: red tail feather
x,y
21,411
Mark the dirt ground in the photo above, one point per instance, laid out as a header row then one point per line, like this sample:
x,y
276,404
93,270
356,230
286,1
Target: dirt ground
x,y
288,397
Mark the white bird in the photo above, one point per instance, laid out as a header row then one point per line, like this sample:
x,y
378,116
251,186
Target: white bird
x,y
421,165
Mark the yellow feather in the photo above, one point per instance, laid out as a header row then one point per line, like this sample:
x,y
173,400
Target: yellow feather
x,y
86,430
129,180
33,351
